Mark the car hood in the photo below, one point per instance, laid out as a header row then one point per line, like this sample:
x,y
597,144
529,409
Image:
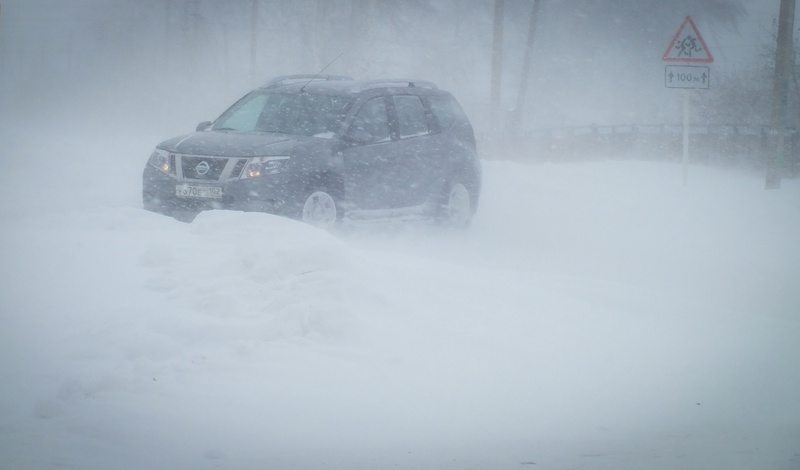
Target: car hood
x,y
229,144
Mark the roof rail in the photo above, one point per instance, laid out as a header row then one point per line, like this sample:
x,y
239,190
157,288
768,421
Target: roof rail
x,y
288,79
394,82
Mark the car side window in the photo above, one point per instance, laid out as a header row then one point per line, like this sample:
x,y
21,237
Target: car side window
x,y
371,122
410,116
445,111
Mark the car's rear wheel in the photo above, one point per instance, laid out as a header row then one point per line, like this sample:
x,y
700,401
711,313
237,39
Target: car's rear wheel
x,y
320,209
456,210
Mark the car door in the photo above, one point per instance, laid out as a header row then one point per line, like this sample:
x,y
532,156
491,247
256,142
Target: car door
x,y
367,157
417,163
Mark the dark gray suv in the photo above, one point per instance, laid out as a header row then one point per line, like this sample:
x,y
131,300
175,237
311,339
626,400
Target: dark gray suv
x,y
322,148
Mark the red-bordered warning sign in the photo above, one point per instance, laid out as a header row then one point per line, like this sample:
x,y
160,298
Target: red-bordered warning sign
x,y
688,45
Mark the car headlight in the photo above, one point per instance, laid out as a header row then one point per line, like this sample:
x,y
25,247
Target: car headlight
x,y
161,161
260,166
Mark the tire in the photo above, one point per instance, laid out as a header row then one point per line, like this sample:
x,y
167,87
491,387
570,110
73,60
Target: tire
x,y
456,208
320,209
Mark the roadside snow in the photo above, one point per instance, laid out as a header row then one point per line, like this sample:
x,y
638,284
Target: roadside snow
x,y
596,315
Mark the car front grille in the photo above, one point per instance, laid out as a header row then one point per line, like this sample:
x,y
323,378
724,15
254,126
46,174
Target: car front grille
x,y
203,168
200,168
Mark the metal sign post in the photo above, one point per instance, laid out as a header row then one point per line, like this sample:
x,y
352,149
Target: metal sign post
x,y
687,46
685,137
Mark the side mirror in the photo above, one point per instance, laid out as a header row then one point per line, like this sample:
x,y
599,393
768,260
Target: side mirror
x,y
203,126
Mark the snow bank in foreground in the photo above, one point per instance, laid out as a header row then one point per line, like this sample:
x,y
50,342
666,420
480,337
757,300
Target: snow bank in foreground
x,y
596,315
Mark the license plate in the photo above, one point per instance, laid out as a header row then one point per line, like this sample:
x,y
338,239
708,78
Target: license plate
x,y
194,190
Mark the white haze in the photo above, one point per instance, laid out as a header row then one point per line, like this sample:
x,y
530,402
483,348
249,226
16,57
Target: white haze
x,y
598,314
146,63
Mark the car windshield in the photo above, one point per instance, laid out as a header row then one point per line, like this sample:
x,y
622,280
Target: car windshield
x,y
302,113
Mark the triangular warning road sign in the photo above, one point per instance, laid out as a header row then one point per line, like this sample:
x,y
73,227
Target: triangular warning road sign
x,y
688,45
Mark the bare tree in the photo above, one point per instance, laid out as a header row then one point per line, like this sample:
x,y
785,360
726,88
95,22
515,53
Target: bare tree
x,y
497,59
516,117
784,67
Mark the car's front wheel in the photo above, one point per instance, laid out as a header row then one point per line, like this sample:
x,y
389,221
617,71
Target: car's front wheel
x,y
320,209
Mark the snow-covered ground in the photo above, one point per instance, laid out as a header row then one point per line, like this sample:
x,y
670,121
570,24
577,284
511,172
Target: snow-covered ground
x,y
597,315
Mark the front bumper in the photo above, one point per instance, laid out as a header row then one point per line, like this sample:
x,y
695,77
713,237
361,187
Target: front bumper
x,y
276,194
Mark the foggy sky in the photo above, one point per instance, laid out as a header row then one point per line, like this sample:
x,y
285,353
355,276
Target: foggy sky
x,y
162,63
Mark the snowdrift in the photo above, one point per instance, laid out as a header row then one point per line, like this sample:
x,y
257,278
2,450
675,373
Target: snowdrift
x,y
596,315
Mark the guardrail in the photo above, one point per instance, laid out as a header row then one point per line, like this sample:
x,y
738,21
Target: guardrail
x,y
719,144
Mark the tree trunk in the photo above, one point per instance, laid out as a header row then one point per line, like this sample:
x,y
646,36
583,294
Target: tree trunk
x,y
784,68
497,65
253,40
516,117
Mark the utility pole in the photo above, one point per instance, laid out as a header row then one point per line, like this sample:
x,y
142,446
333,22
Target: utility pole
x,y
497,66
784,69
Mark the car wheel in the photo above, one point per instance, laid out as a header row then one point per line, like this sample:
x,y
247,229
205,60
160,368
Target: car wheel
x,y
456,211
320,209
